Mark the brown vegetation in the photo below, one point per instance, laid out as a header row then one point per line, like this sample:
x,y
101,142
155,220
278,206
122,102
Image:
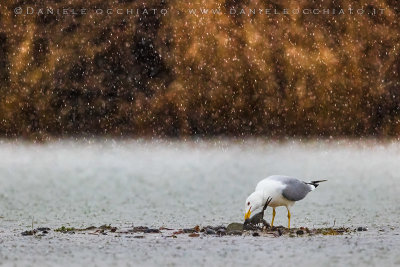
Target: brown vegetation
x,y
183,74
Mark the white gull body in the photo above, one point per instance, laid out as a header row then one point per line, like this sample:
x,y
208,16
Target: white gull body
x,y
273,188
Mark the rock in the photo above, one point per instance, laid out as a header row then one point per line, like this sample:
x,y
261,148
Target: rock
x,y
150,231
300,232
221,231
165,228
280,232
256,234
234,227
139,229
216,228
210,231
362,229
248,226
234,232
208,227
64,229
106,227
194,235
43,229
29,232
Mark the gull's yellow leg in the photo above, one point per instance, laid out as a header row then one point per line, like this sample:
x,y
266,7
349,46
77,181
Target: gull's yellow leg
x,y
273,216
288,216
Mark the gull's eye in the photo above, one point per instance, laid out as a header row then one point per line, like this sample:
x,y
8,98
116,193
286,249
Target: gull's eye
x,y
248,203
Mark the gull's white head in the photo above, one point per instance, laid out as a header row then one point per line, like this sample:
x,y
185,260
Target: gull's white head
x,y
253,202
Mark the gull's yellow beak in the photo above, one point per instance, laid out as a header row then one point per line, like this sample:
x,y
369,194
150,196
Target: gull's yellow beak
x,y
247,215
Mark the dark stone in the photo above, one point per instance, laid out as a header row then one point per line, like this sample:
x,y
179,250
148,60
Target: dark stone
x,y
216,228
234,232
210,231
256,234
300,232
362,229
148,231
139,229
42,229
249,226
29,232
221,231
280,232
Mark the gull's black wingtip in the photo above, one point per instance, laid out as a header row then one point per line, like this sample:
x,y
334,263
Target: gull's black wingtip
x,y
316,183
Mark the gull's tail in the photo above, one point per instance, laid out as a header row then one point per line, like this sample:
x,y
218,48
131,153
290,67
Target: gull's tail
x,y
316,183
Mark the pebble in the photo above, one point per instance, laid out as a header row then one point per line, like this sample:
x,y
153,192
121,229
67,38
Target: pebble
x,y
300,232
221,231
139,229
280,232
148,231
29,232
234,227
194,235
210,231
43,229
234,232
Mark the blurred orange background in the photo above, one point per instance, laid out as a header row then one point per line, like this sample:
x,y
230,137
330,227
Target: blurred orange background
x,y
181,74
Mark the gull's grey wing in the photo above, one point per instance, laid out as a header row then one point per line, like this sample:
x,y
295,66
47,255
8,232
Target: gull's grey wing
x,y
295,189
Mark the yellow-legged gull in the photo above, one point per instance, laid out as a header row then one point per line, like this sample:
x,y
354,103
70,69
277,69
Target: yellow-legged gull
x,y
283,190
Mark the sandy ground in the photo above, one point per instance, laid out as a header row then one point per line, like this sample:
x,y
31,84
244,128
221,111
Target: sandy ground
x,y
180,185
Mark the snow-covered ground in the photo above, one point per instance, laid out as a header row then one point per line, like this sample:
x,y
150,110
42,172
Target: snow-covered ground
x,y
183,184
